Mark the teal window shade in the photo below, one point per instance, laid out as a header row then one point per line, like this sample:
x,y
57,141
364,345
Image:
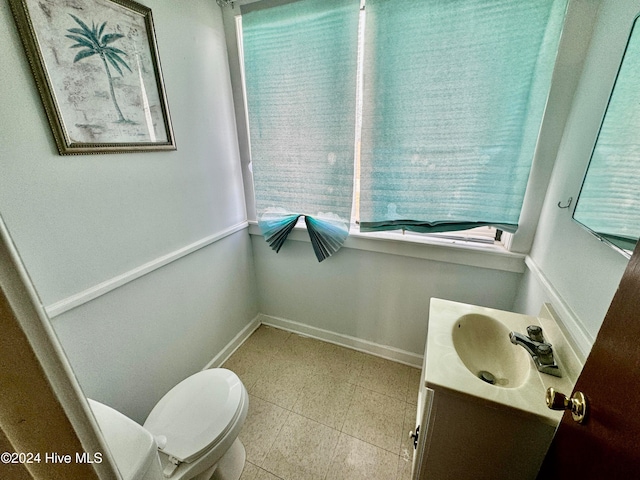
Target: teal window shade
x,y
300,77
609,202
453,101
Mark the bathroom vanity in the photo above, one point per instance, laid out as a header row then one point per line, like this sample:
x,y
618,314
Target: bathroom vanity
x,y
481,406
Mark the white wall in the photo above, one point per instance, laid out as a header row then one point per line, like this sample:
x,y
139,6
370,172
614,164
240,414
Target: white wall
x,y
79,221
567,265
129,347
378,297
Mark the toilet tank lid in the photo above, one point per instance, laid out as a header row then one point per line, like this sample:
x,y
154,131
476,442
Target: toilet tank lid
x,y
131,446
196,413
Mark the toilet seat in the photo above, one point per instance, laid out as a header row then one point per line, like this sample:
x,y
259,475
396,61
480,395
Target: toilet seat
x,y
197,413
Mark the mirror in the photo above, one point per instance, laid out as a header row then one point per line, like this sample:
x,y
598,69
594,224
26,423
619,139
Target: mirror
x,y
609,201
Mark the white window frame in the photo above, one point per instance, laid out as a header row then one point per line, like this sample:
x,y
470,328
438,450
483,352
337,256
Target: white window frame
x,y
517,244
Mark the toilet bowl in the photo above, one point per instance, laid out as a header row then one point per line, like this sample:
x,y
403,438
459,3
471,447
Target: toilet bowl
x,y
191,433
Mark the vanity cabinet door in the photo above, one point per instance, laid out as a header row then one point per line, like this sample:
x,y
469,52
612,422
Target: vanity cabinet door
x,y
423,417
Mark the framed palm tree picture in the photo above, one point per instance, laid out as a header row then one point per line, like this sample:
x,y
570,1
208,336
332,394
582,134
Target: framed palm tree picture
x,y
97,69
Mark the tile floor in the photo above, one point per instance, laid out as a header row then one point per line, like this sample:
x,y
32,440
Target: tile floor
x,y
319,411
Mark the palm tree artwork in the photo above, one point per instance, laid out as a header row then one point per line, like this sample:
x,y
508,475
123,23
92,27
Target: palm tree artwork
x,y
94,41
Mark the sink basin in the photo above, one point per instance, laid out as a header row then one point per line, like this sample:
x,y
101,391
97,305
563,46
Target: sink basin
x,y
483,345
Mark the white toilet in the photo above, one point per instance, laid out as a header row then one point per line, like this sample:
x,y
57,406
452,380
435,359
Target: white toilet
x,y
191,433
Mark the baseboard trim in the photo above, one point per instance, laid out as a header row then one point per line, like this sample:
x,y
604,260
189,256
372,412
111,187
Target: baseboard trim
x,y
384,351
580,340
73,301
233,345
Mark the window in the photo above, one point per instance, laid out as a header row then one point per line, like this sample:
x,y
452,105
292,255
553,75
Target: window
x,y
421,115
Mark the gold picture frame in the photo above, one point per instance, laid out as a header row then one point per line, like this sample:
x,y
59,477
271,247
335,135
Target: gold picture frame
x,y
97,69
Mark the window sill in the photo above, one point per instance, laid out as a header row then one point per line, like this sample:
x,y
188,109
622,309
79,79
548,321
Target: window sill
x,y
460,252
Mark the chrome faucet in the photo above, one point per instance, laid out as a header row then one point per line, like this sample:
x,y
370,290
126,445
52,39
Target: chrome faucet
x,y
540,351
